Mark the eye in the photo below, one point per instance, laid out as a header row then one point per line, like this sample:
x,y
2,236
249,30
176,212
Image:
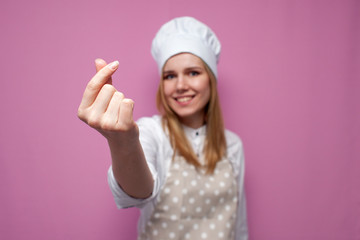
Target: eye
x,y
194,73
169,76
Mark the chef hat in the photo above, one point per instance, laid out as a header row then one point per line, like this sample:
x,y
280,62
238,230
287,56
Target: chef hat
x,y
186,35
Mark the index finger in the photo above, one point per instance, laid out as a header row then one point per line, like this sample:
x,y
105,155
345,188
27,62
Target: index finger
x,y
97,82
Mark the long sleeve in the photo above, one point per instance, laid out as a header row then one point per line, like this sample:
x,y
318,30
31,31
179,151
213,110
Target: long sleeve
x,y
151,136
236,156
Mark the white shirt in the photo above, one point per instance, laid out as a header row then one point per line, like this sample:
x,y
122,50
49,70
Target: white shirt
x,y
158,153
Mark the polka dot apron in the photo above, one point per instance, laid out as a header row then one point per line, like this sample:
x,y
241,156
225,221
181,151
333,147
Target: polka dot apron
x,y
194,205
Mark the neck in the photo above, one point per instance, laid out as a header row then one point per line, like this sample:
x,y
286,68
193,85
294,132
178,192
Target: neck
x,y
193,121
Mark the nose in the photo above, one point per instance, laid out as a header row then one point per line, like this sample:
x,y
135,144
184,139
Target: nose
x,y
181,83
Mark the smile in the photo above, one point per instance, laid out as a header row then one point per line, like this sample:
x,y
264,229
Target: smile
x,y
183,99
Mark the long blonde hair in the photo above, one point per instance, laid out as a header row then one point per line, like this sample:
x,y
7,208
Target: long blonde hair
x,y
215,142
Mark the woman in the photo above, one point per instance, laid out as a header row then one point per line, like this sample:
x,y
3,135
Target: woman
x,y
182,169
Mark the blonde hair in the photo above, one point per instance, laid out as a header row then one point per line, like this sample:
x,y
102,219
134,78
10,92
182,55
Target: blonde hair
x,y
215,142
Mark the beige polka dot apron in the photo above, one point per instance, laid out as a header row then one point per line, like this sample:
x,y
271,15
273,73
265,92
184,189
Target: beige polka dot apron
x,y
194,205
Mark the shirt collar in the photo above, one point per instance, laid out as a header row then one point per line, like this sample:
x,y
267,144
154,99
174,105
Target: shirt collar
x,y
192,132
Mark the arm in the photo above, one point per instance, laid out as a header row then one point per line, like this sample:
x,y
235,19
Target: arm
x,y
110,113
241,222
236,156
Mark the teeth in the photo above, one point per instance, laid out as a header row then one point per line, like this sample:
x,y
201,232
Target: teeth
x,y
184,99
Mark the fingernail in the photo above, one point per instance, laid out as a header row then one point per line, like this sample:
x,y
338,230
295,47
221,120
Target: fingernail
x,y
114,65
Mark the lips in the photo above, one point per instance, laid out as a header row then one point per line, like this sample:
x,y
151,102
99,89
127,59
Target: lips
x,y
183,99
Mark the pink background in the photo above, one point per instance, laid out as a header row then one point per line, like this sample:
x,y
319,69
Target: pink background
x,y
289,85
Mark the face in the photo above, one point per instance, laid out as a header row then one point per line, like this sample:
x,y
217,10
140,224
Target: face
x,y
187,88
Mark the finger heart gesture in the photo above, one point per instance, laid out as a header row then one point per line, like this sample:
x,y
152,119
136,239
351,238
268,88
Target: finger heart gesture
x,y
102,106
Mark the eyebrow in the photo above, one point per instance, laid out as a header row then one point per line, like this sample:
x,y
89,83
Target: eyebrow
x,y
186,69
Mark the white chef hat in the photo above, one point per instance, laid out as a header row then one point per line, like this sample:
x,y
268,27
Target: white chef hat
x,y
186,35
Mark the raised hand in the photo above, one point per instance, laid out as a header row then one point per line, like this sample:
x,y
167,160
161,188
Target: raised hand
x,y
109,112
106,109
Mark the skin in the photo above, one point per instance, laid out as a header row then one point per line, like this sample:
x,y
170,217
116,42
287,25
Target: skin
x,y
110,113
187,88
104,108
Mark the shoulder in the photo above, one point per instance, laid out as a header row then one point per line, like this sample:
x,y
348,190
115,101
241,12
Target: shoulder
x,y
150,127
233,140
150,123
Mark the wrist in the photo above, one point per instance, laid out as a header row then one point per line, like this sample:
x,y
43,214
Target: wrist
x,y
123,138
